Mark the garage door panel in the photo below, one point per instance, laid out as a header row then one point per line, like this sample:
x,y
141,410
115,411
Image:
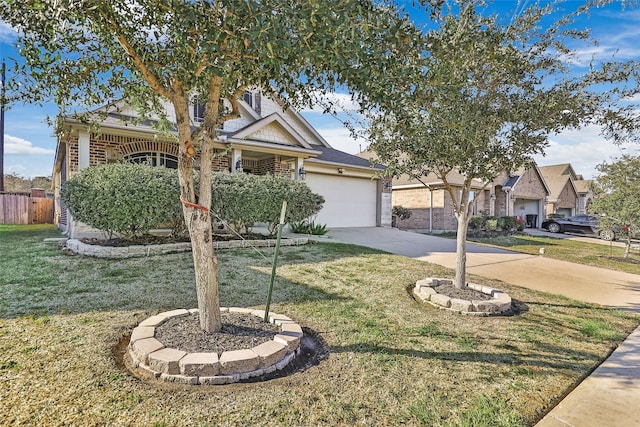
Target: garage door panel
x,y
349,202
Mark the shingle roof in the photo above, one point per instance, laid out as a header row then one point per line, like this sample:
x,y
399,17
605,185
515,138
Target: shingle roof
x,y
583,185
336,156
511,181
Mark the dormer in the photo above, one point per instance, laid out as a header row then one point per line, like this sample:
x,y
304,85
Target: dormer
x,y
198,110
253,100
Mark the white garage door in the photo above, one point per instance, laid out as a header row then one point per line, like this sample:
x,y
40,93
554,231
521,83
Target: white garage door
x,y
349,202
523,207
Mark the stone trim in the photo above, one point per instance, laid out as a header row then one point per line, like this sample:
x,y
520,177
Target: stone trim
x,y
425,290
78,247
151,358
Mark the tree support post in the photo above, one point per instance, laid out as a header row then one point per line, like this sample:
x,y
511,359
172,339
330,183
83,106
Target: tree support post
x,y
275,259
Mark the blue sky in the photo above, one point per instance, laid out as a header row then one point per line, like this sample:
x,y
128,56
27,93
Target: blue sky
x,y
30,142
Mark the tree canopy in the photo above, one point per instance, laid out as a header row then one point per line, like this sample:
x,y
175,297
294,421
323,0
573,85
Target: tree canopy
x,y
617,190
84,53
486,95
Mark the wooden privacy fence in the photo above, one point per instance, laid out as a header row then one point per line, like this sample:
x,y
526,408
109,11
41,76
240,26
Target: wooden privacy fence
x,y
24,209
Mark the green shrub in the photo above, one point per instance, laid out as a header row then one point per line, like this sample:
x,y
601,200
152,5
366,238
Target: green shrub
x,y
492,224
304,227
477,222
401,212
244,199
299,227
507,222
127,199
317,229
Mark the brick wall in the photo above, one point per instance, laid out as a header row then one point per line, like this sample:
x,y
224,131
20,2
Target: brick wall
x,y
417,198
529,186
417,201
568,198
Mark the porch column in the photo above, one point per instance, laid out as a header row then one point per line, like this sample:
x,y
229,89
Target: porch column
x,y
236,160
492,204
83,150
299,167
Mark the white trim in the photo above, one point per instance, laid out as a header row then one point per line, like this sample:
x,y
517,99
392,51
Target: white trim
x,y
83,150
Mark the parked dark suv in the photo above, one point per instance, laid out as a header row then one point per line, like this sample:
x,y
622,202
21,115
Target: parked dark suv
x,y
584,224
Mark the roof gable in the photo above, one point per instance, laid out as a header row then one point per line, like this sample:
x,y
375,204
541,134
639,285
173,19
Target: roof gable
x,y
273,128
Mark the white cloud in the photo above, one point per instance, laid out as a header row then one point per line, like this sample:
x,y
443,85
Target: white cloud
x,y
340,138
7,32
15,145
584,149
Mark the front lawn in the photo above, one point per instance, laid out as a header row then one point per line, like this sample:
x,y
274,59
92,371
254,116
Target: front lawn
x,y
595,254
392,360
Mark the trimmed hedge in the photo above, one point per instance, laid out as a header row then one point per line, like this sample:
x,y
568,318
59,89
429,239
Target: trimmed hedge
x,y
244,199
126,199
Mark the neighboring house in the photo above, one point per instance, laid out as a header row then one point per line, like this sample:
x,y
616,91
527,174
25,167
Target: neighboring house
x,y
585,194
267,138
520,194
563,198
429,202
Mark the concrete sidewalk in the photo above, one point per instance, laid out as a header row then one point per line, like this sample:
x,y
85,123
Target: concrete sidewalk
x,y
610,396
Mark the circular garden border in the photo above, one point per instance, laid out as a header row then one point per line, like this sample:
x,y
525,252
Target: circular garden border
x,y
426,291
150,358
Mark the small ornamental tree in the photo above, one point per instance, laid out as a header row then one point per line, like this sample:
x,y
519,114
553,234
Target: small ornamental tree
x,y
617,190
488,94
243,199
127,199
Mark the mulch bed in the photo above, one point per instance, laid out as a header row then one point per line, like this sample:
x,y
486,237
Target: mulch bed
x,y
149,239
239,331
465,293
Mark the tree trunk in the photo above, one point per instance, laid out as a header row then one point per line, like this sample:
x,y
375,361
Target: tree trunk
x,y
198,219
462,210
627,247
461,251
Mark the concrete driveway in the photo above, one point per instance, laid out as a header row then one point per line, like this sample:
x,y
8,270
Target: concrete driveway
x,y
610,396
581,282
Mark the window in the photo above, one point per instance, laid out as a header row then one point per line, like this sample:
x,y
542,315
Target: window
x,y
198,110
254,100
153,159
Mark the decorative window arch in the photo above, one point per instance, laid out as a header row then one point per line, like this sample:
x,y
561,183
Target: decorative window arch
x,y
153,158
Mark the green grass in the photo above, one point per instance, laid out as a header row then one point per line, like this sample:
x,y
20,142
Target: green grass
x,y
392,360
595,254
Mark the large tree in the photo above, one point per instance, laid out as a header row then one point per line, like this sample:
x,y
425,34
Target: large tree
x,y
85,52
617,189
485,98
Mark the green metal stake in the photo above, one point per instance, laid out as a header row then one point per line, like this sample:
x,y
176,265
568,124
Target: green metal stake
x,y
275,259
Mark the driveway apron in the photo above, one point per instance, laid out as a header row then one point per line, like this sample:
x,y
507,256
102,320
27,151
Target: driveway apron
x,y
610,396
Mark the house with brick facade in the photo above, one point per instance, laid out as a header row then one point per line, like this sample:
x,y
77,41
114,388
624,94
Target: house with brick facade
x,y
521,194
570,193
266,138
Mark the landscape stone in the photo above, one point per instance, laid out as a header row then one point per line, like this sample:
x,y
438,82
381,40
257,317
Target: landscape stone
x,y
238,361
141,349
179,379
441,300
219,379
270,352
292,329
200,364
461,304
241,310
292,342
175,313
142,332
166,360
156,320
